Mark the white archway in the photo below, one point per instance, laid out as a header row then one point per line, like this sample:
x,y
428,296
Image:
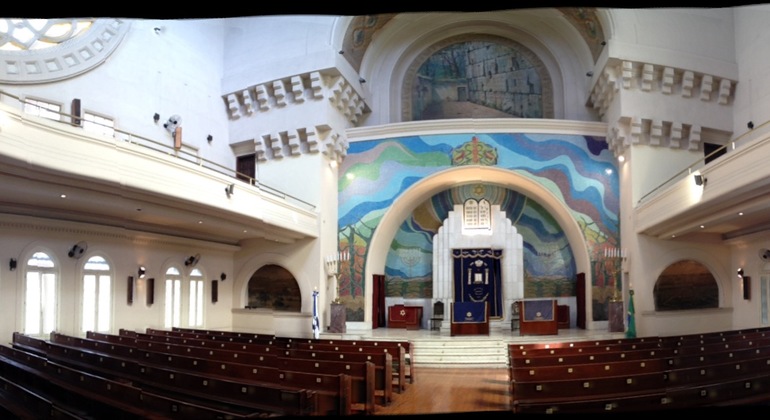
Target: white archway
x,y
417,193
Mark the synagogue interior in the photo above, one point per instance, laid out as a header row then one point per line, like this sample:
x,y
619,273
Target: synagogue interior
x,y
526,174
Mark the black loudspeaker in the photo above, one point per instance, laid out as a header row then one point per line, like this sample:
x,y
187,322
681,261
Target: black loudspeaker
x,y
747,287
75,111
214,291
150,291
130,291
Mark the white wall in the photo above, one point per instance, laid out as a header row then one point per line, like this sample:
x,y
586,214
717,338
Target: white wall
x,y
176,71
265,48
125,251
752,96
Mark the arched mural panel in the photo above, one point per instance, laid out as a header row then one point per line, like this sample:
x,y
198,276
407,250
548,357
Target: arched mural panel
x,y
549,265
274,287
686,284
578,170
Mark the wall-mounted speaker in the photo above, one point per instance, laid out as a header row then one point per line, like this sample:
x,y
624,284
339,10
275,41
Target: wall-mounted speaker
x,y
75,112
130,291
150,291
214,291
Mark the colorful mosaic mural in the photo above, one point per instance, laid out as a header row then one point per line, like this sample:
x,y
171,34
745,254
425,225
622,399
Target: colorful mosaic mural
x,y
579,170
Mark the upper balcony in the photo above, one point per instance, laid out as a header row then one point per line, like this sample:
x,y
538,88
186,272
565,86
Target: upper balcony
x,y
732,203
57,170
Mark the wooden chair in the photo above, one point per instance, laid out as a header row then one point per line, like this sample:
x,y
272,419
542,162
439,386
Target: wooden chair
x,y
438,316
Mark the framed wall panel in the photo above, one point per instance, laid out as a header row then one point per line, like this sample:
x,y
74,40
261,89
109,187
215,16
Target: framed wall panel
x,y
150,291
130,291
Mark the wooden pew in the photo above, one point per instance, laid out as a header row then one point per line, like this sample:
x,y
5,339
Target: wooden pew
x,y
362,374
632,342
205,342
587,370
80,393
383,365
517,351
646,402
391,345
603,357
407,366
193,345
335,394
549,392
186,386
398,356
21,402
727,368
243,337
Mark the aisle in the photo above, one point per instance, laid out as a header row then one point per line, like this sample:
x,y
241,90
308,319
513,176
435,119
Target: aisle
x,y
446,391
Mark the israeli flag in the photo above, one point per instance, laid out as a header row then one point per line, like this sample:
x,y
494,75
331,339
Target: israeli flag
x,y
316,323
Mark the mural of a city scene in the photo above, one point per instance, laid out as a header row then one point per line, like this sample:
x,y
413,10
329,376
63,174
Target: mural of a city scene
x,y
477,79
579,170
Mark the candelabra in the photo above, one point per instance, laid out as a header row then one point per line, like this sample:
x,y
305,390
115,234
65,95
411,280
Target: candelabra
x,y
333,269
613,260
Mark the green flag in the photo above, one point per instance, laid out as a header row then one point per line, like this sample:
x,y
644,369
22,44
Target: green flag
x,y
631,328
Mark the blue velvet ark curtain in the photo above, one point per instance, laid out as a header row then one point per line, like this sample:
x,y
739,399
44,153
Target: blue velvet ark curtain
x,y
477,277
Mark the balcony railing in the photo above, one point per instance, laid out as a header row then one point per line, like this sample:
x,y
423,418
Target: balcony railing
x,y
181,153
734,144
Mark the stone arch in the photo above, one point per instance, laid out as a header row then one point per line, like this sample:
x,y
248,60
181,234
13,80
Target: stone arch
x,y
411,198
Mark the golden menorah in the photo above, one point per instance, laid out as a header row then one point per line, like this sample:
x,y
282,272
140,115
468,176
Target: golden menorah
x,y
613,264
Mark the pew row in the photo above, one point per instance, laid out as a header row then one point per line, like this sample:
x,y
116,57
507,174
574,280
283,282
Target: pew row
x,y
228,364
698,371
199,389
78,394
244,337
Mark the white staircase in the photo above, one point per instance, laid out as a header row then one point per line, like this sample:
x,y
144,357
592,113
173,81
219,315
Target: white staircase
x,y
459,352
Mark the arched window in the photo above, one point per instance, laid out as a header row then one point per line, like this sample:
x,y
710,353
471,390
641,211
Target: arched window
x,y
173,301
40,295
274,287
686,284
97,295
196,299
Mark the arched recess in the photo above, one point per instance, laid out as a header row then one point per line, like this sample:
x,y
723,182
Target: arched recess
x,y
686,284
242,277
272,286
526,55
411,198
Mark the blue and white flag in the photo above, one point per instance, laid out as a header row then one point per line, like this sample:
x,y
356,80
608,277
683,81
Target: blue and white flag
x,y
316,323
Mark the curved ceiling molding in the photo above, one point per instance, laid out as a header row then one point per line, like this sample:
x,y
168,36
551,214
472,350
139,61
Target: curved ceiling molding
x,y
66,59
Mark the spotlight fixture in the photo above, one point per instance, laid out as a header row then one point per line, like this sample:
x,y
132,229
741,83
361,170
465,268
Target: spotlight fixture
x,y
700,179
156,117
223,276
141,272
12,264
209,138
750,125
229,190
157,30
361,80
740,273
590,74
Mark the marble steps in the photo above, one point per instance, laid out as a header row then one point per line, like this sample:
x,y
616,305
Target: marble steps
x,y
460,353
